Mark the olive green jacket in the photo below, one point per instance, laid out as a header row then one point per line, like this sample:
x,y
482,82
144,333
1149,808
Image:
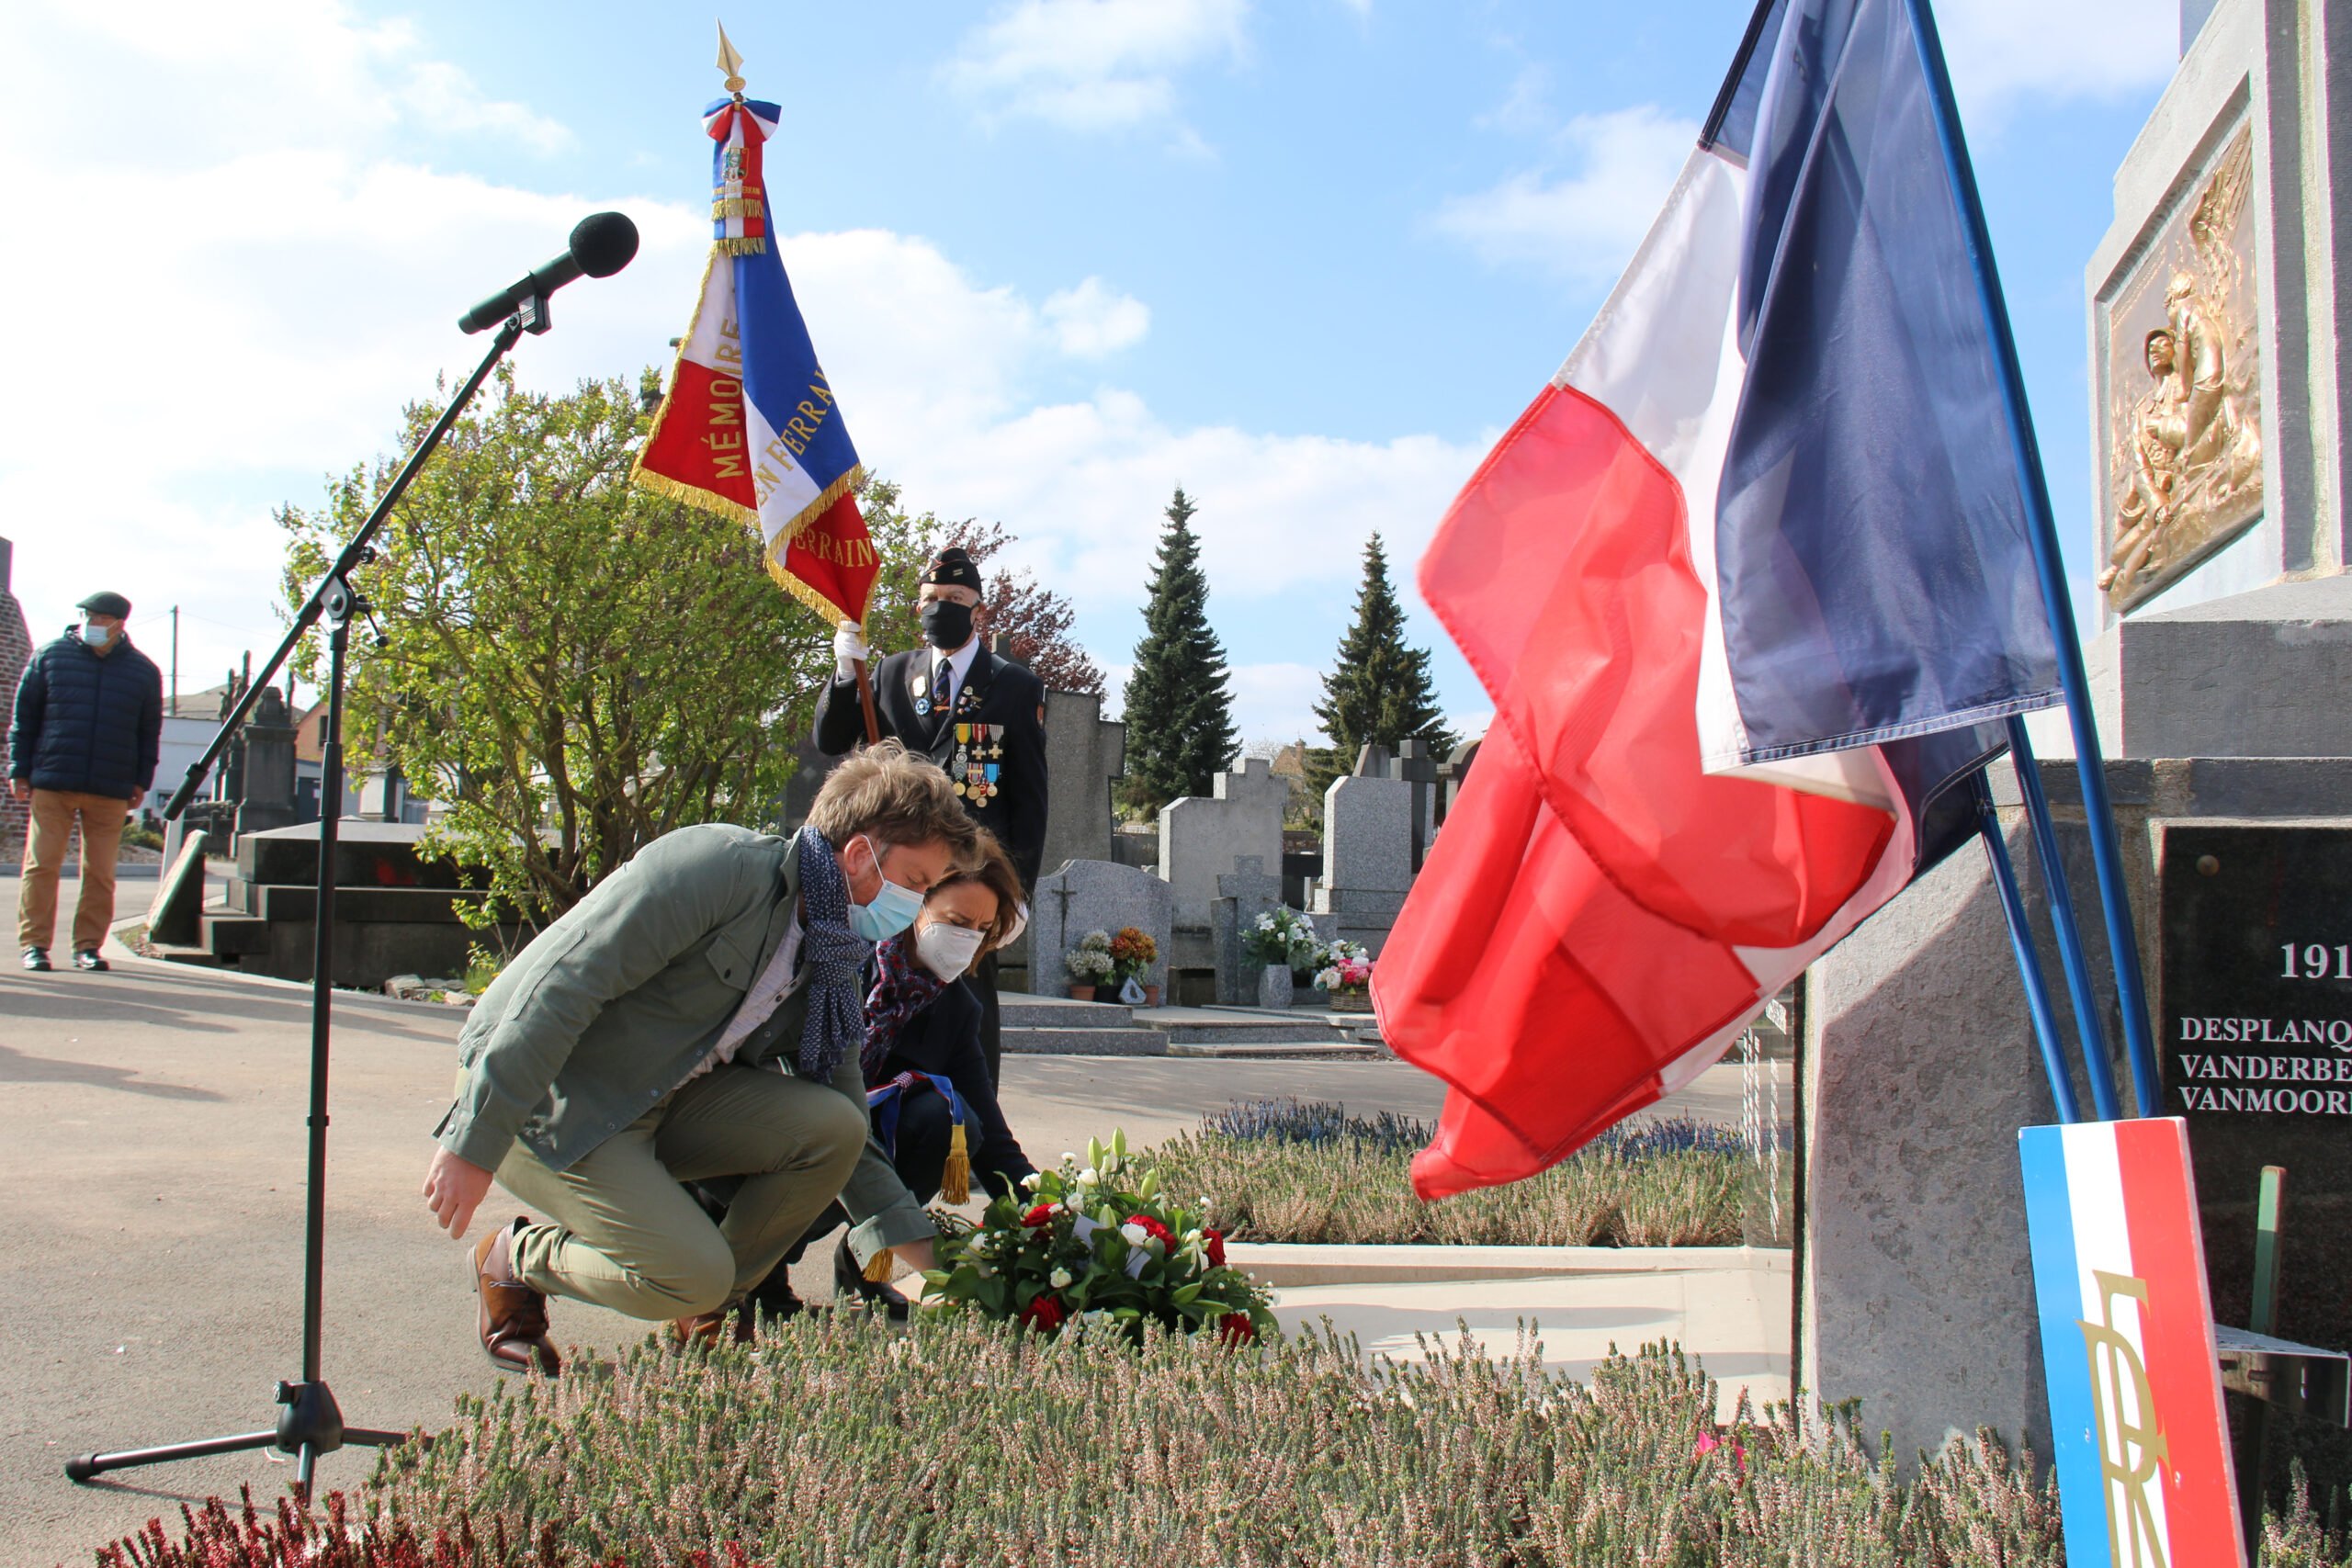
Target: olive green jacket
x,y
613,1004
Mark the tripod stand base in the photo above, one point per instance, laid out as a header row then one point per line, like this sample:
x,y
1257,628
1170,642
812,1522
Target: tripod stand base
x,y
310,1426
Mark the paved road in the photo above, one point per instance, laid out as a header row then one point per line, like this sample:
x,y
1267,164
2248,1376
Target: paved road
x,y
153,1163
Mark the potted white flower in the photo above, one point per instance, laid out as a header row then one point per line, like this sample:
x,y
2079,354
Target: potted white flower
x,y
1089,965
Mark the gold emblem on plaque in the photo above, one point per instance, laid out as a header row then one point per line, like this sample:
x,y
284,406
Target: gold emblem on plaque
x,y
2184,429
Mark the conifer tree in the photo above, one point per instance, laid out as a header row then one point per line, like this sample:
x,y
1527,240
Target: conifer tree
x,y
1178,702
1379,691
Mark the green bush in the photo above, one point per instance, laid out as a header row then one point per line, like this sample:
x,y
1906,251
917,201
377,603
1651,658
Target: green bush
x,y
1291,1172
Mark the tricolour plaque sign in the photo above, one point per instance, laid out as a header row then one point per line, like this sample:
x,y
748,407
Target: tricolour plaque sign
x,y
2138,1437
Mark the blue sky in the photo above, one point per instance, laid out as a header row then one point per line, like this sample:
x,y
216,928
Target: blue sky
x,y
1307,259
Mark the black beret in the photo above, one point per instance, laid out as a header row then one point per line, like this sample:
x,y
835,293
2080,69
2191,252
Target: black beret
x,y
953,568
102,604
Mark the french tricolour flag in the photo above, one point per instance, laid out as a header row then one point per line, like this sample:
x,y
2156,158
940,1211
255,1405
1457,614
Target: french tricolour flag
x,y
2136,1422
1749,584
752,428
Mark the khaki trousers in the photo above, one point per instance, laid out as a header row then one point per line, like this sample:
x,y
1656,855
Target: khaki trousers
x,y
54,812
625,1235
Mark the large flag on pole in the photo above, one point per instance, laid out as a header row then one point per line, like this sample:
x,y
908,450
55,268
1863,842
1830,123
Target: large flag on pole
x,y
752,428
1750,586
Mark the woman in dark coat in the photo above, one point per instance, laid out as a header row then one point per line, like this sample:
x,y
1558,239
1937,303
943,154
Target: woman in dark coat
x,y
925,1072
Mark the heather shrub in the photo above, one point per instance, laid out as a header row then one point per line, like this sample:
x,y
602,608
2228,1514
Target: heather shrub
x,y
1292,1171
959,1442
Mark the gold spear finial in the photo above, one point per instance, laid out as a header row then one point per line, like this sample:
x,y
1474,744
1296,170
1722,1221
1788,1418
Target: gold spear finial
x,y
730,62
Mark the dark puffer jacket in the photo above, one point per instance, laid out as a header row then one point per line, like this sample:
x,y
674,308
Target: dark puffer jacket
x,y
87,725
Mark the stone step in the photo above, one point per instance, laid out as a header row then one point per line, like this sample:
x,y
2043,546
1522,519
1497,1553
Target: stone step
x,y
231,936
1085,1043
1197,1031
1016,1011
1326,1050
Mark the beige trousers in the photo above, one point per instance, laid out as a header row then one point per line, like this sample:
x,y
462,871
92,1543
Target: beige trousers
x,y
626,1235
54,811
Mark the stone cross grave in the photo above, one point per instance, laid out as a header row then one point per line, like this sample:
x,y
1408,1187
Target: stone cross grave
x,y
1242,895
1418,769
1201,836
1367,858
1089,895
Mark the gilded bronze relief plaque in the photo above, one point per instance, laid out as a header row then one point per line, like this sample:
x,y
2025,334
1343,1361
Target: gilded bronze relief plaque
x,y
2184,420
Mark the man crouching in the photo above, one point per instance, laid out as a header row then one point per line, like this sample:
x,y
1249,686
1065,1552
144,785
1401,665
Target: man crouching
x,y
696,1016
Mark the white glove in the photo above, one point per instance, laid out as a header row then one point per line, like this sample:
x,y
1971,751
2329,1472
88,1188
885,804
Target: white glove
x,y
849,647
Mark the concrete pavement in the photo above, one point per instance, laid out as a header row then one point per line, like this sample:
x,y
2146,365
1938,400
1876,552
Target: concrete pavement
x,y
154,1164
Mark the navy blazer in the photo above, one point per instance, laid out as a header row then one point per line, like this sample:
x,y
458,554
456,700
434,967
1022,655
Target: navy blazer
x,y
944,1039
1006,697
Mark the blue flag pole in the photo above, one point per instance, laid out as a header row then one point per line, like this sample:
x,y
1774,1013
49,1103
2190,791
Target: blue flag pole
x,y
2041,532
2071,957
2037,989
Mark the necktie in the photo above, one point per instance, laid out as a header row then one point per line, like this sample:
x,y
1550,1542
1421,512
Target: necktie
x,y
940,691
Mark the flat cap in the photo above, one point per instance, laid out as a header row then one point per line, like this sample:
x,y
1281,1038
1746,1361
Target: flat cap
x,y
104,604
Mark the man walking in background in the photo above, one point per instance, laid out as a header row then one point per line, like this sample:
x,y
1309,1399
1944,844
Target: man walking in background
x,y
89,723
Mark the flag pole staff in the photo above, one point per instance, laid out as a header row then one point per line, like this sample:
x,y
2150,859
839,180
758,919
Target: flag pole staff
x,y
865,702
2037,989
731,62
2042,534
2071,957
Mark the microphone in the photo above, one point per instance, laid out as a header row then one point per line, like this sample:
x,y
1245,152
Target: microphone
x,y
602,243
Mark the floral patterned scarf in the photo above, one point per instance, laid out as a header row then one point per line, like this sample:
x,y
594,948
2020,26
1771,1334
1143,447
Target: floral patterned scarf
x,y
902,988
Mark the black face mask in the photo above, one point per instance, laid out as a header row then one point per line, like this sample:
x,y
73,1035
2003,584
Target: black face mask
x,y
947,626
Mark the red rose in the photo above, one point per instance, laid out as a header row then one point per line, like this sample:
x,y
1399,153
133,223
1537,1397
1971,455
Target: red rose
x,y
1236,1329
1043,1214
1213,1243
1151,1227
1044,1315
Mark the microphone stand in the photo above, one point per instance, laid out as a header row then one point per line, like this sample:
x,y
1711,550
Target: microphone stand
x,y
309,1421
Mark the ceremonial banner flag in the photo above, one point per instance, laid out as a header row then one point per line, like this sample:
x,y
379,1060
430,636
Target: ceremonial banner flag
x,y
750,428
2137,1432
1750,586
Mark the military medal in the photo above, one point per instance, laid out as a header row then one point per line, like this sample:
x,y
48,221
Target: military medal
x,y
961,764
922,708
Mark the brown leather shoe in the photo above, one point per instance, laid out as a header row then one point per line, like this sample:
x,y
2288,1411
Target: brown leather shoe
x,y
703,1330
513,1322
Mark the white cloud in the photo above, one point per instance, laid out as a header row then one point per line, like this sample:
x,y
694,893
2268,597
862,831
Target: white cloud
x,y
1091,320
287,291
1583,223
1095,64
2001,51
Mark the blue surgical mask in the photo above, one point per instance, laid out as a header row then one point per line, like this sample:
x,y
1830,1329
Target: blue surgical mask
x,y
96,635
893,908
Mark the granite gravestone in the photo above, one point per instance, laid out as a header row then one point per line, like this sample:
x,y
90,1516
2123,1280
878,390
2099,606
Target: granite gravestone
x,y
1367,858
1200,836
1242,895
1095,895
2256,1014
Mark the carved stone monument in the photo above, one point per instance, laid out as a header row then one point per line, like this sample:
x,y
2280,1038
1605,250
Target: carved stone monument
x,y
2221,396
2221,390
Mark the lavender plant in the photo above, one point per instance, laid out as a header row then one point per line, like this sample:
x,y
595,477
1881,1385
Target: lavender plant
x,y
1308,1172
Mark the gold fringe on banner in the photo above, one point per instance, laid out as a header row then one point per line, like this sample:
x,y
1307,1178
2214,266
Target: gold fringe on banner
x,y
744,245
737,207
799,526
881,1267
955,1175
663,484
